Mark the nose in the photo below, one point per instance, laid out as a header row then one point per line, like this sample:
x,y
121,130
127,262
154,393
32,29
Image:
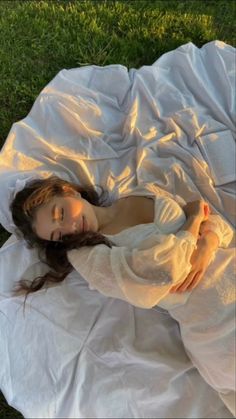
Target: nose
x,y
68,228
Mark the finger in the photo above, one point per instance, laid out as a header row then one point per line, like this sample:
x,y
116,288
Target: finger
x,y
185,284
196,281
191,282
173,289
176,287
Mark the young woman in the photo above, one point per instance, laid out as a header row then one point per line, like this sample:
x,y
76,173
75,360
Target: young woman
x,y
145,249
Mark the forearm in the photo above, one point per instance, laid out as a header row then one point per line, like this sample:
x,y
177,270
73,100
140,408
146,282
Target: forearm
x,y
210,239
196,212
201,258
192,225
220,227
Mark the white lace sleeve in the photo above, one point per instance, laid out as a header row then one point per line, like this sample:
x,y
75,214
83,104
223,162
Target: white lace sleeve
x,y
141,277
169,215
214,223
220,227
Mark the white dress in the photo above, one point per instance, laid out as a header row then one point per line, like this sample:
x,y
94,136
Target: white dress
x,y
145,263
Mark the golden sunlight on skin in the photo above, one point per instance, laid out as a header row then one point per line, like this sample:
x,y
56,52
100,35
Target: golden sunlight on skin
x,y
65,215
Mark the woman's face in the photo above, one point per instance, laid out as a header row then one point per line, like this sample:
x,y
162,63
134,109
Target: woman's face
x,y
64,215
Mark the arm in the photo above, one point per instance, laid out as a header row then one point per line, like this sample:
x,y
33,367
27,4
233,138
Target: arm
x,y
141,277
214,232
198,213
216,225
192,225
200,260
211,236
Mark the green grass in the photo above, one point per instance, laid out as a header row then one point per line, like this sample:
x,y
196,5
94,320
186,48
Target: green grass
x,y
39,38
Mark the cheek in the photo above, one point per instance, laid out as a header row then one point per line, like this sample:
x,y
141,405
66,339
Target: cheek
x,y
74,209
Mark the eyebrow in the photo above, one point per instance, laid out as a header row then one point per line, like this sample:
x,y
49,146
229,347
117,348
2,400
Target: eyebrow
x,y
53,217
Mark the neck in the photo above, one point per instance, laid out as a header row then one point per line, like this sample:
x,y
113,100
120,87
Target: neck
x,y
106,215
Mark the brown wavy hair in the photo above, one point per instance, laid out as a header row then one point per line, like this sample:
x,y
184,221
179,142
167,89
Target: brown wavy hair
x,y
36,193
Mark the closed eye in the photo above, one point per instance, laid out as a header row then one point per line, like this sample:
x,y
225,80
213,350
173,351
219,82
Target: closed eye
x,y
54,218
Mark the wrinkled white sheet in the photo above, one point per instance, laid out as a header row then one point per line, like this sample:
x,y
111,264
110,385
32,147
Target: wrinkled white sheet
x,y
75,353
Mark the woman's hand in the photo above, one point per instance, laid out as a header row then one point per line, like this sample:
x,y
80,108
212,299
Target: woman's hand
x,y
200,260
196,212
198,209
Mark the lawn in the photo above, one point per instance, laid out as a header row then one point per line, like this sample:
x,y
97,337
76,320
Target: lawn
x,y
39,38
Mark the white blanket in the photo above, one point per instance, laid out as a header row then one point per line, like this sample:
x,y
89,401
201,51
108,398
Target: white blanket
x,y
75,353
